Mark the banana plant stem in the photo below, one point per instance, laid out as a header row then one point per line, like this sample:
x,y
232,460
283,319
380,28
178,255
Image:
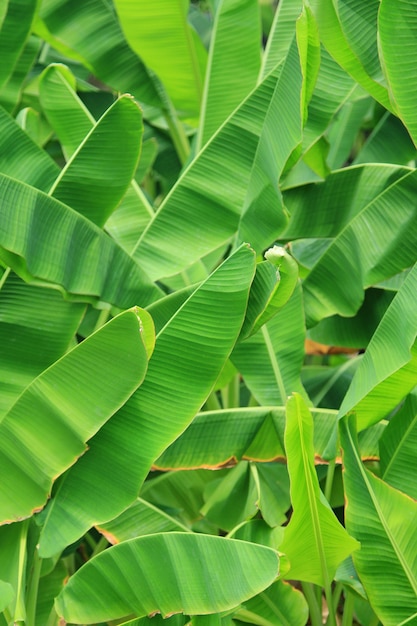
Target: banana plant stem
x,y
310,596
33,589
348,609
329,479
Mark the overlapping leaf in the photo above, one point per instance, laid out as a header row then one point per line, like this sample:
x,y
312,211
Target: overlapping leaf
x,y
177,383
314,540
383,520
45,430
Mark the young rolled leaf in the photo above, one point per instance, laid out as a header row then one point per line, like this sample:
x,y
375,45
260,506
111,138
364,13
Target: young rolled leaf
x,y
397,32
78,256
177,383
384,521
45,431
314,541
170,573
387,372
99,172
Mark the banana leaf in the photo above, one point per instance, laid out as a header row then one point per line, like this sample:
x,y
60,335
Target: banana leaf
x,y
219,438
163,408
389,142
36,328
161,36
173,239
397,446
97,175
360,255
279,605
383,520
78,256
215,574
387,372
45,431
21,158
233,63
15,30
281,34
11,91
334,39
314,540
397,32
90,33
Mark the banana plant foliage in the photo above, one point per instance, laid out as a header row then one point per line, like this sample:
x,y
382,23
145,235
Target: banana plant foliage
x,y
208,286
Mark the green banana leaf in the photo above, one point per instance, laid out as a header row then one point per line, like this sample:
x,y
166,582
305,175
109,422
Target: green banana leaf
x,y
258,531
173,239
309,49
397,447
270,361
219,438
383,520
78,256
387,372
15,30
281,34
360,255
11,91
21,158
263,216
13,541
72,121
31,317
177,383
389,142
314,540
341,198
279,605
49,587
160,34
45,431
397,32
344,130
215,574
90,33
6,594
334,39
359,21
233,63
67,114
140,518
97,175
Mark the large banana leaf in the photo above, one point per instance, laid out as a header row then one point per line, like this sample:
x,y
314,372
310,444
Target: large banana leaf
x,y
334,39
31,317
67,114
281,34
384,521
90,32
172,573
99,172
72,121
314,540
398,445
15,30
196,205
178,381
270,360
45,430
233,63
262,215
160,34
78,256
218,438
11,91
359,21
397,33
389,142
360,255
21,158
387,372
